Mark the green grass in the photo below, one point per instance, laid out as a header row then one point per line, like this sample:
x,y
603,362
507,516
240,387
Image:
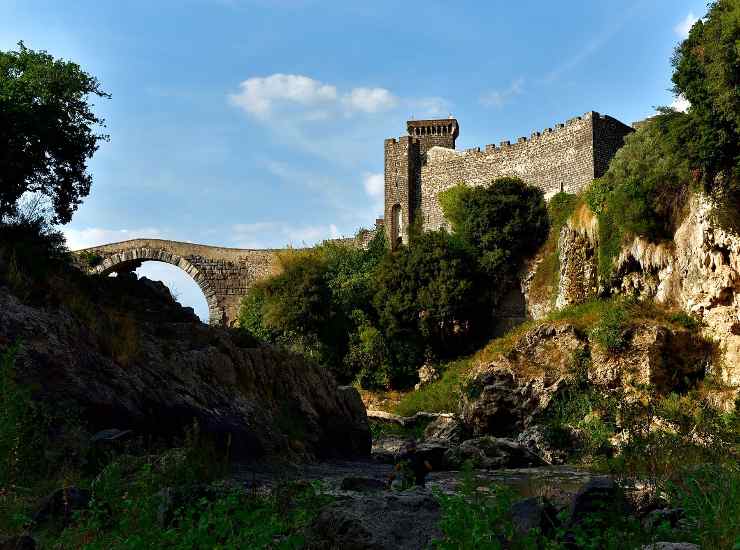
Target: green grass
x,y
439,396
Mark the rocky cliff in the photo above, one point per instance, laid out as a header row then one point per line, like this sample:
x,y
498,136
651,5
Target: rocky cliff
x,y
151,366
698,272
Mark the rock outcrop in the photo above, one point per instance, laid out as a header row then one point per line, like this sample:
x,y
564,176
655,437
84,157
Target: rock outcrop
x,y
508,395
263,402
503,397
699,272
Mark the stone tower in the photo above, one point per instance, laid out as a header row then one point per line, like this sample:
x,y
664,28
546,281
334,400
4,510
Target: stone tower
x,y
403,161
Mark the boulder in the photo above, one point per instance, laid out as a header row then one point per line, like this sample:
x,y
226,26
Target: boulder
x,y
492,453
597,496
445,428
405,519
427,375
534,513
535,439
169,370
505,396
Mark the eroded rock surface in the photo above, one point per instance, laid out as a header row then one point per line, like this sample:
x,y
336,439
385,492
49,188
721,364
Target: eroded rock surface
x,y
503,397
175,370
699,272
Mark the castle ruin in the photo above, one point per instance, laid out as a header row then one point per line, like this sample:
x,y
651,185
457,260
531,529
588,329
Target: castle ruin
x,y
423,163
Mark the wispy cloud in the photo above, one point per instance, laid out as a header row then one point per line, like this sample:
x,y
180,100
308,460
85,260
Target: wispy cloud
x,y
593,45
683,27
374,185
498,98
78,239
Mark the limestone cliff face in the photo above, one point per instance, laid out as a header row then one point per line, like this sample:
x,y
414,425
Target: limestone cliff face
x,y
699,272
577,252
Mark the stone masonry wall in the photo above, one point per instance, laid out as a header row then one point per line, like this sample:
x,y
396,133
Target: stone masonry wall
x,y
223,274
400,159
559,159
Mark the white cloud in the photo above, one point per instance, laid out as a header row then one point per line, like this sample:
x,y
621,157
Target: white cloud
x,y
307,99
497,98
78,239
259,95
680,103
374,185
683,27
279,235
370,100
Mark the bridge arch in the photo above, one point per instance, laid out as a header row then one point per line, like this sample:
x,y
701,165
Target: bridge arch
x,y
132,258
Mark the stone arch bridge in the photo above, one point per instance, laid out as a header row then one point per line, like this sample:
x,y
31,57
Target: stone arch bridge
x,y
223,274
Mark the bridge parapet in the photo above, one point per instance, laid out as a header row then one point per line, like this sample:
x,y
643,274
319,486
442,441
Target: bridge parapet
x,y
223,274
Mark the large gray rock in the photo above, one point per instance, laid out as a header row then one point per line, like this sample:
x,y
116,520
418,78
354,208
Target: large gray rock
x,y
492,453
505,396
389,521
157,376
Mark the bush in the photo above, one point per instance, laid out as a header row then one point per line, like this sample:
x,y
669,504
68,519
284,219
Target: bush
x,y
710,498
611,330
504,223
318,304
426,301
476,519
642,193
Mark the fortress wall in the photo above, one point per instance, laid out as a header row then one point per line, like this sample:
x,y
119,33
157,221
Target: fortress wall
x,y
400,162
556,159
609,134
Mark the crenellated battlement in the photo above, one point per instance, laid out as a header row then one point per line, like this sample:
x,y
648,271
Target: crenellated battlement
x,y
563,157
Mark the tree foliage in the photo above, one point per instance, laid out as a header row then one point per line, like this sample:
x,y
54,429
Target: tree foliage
x,y
317,302
707,73
503,223
426,299
47,131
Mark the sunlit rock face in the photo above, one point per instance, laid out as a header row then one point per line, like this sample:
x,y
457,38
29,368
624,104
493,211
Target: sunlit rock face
x,y
699,272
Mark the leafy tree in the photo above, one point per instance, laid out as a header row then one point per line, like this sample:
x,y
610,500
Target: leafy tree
x,y
47,131
426,301
707,73
504,223
318,304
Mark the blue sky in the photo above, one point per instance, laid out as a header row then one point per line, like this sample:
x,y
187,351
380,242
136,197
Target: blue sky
x,y
258,123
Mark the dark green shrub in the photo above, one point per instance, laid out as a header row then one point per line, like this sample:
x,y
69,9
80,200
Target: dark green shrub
x,y
368,356
504,223
426,301
318,304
